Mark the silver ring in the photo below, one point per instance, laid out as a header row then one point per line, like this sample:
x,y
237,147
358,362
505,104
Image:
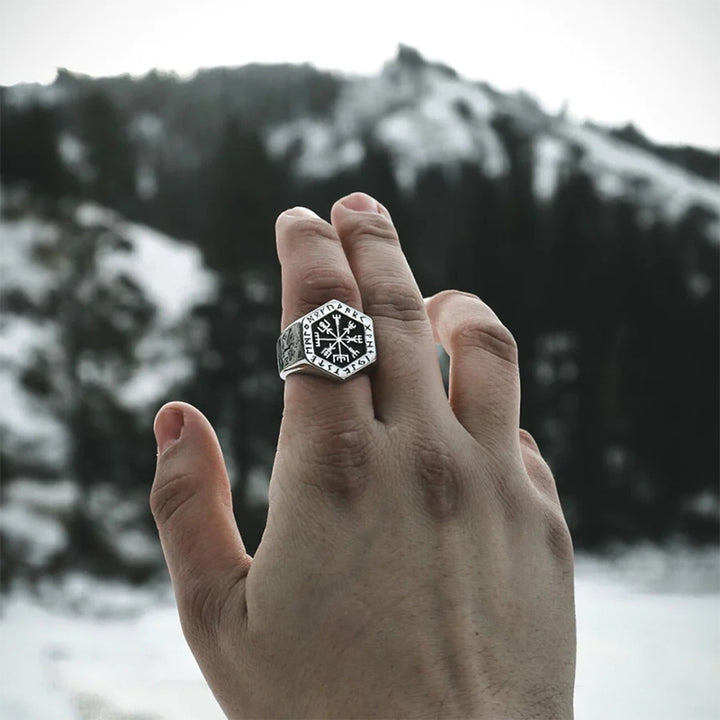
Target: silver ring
x,y
334,340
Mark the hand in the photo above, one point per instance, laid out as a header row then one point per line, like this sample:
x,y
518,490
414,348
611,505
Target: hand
x,y
416,562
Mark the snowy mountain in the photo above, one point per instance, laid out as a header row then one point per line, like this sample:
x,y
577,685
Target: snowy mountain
x,y
597,247
424,115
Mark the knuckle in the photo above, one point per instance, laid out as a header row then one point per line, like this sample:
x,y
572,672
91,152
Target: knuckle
x,y
320,283
539,471
529,441
438,473
510,491
387,297
558,534
545,479
310,230
169,494
451,294
488,335
373,228
343,454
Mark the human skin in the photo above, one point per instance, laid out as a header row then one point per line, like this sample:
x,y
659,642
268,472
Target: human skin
x,y
416,562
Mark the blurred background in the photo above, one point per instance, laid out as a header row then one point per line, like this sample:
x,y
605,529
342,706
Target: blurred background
x,y
562,163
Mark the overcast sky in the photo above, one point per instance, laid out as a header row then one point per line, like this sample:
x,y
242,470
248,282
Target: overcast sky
x,y
654,62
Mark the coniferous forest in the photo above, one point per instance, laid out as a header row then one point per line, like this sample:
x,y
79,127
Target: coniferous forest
x,y
601,258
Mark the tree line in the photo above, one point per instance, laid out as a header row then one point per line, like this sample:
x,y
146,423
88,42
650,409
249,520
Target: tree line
x,y
616,317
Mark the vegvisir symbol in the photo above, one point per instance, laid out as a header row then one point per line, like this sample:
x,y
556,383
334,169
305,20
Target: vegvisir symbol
x,y
334,341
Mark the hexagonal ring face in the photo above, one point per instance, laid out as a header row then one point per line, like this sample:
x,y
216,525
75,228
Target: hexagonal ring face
x,y
338,340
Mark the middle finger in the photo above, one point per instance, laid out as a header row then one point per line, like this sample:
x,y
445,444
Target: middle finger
x,y
407,380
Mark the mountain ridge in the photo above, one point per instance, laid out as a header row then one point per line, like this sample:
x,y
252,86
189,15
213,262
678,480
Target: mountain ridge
x,y
599,254
310,91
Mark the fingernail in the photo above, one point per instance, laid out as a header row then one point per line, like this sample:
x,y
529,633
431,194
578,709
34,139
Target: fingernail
x,y
168,427
300,212
360,202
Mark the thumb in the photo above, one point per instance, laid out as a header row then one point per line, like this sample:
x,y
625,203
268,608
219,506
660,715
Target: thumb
x,y
192,505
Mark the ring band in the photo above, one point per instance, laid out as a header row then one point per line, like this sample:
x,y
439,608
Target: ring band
x,y
334,340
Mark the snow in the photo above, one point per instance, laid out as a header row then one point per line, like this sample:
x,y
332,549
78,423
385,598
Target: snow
x,y
430,135
33,536
169,272
422,118
60,666
26,426
118,516
160,370
648,647
171,275
58,497
621,169
19,240
24,94
89,215
31,518
446,123
321,153
649,637
551,156
75,157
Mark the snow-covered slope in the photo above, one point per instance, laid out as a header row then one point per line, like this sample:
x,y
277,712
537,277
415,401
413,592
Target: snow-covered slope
x,y
647,627
68,276
424,115
169,274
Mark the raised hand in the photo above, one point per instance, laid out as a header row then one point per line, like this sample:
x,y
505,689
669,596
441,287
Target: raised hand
x,y
416,562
